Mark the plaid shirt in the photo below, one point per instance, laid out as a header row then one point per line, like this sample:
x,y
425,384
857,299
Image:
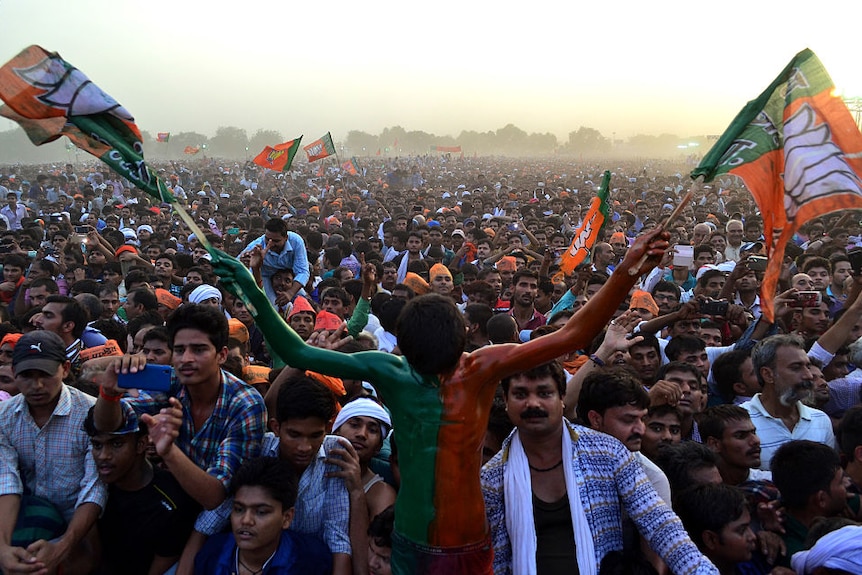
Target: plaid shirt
x,y
322,503
230,436
54,462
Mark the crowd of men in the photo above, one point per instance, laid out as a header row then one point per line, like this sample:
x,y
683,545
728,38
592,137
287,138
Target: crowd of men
x,y
687,435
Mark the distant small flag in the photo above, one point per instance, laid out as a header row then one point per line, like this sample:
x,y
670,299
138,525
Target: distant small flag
x,y
378,152
191,150
351,167
454,149
163,137
395,144
319,149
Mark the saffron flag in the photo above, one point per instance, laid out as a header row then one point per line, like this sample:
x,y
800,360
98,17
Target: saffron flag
x,y
454,149
378,152
191,150
280,157
163,136
319,149
351,166
798,151
586,234
50,98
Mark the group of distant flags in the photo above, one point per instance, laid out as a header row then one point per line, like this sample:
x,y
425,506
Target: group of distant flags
x,y
280,157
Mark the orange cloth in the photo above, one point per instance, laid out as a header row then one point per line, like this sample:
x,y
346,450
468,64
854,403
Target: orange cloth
x,y
300,304
416,283
255,374
574,365
643,299
109,348
237,330
328,321
507,264
167,299
11,339
439,270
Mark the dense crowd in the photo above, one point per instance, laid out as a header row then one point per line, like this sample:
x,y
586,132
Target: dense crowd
x,y
639,415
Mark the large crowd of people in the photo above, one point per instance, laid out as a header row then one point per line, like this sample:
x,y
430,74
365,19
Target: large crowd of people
x,y
392,373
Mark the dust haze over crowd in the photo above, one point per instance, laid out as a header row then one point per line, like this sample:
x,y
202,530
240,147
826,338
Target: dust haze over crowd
x,y
451,71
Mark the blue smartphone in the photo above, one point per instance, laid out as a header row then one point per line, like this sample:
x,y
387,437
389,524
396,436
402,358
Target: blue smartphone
x,y
153,377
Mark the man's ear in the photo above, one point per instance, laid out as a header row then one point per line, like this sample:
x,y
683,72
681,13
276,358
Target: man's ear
x,y
713,444
711,540
739,388
287,517
857,453
272,424
766,374
595,419
221,356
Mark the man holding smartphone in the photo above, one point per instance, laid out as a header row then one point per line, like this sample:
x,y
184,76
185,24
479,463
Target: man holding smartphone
x,y
205,427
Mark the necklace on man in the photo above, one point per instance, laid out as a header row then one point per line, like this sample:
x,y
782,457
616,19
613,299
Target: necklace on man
x,y
239,563
554,466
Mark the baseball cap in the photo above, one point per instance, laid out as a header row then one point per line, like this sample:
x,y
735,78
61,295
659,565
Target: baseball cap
x,y
41,350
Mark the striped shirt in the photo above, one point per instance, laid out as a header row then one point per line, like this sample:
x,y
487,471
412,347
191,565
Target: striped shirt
x,y
813,425
53,462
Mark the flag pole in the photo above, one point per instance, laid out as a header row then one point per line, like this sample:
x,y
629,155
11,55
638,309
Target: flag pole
x,y
673,215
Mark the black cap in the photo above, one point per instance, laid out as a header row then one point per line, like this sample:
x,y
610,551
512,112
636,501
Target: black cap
x,y
42,350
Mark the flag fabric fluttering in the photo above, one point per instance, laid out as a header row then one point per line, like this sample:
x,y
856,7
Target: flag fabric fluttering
x,y
163,137
279,157
351,166
191,150
798,151
588,231
319,149
50,98
454,149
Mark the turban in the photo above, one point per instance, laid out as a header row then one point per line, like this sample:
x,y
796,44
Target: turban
x,y
204,292
366,408
841,549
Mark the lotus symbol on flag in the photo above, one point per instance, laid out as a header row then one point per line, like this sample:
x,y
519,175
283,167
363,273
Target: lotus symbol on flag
x,y
814,164
274,155
582,238
69,89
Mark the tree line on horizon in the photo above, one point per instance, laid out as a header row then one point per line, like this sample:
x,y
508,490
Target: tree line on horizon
x,y
231,142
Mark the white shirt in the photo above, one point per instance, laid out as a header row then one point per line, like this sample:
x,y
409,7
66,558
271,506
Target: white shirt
x,y
813,425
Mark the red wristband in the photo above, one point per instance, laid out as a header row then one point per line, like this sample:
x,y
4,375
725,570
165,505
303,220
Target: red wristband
x,y
107,396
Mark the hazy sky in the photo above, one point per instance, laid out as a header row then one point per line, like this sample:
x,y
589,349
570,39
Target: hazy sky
x,y
443,66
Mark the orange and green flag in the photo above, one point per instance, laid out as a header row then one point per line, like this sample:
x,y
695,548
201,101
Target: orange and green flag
x,y
279,157
798,151
163,137
319,149
50,98
351,166
588,232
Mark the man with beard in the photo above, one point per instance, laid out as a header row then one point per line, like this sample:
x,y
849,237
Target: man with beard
x,y
784,370
525,287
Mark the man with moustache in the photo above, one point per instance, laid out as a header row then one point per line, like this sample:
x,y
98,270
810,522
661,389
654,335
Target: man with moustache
x,y
613,401
554,485
727,430
784,371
